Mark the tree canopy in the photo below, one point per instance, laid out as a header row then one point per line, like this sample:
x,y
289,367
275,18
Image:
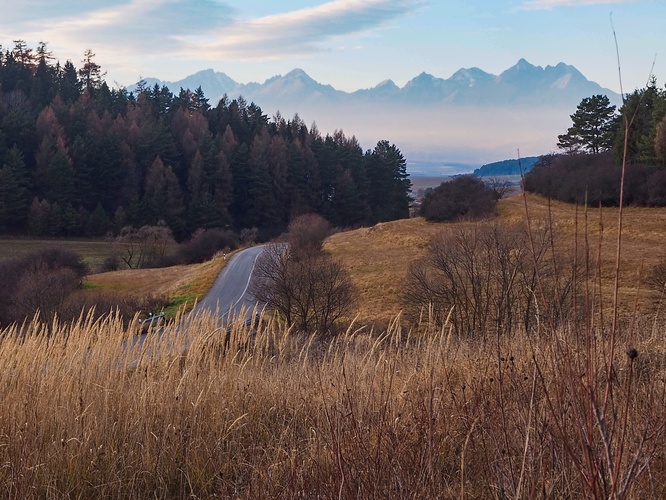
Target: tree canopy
x,y
598,139
81,158
594,125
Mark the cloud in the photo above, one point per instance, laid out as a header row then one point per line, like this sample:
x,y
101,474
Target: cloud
x,y
552,4
148,26
126,34
298,33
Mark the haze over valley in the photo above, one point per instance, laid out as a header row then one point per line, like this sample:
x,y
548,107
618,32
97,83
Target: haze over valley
x,y
442,125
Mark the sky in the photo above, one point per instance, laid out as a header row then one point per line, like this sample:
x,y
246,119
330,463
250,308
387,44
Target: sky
x,y
350,44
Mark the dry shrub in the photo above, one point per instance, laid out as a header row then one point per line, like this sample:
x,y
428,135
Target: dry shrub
x,y
38,283
312,291
483,279
307,233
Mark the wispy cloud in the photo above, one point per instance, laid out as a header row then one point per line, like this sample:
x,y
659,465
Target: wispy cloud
x,y
552,4
149,26
301,32
119,30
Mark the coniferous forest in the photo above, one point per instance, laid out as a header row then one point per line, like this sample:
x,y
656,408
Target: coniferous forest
x,y
78,158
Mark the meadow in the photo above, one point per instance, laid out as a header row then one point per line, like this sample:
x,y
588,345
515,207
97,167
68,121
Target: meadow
x,y
384,409
93,251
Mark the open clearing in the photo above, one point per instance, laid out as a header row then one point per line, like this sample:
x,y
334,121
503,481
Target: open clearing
x,y
93,251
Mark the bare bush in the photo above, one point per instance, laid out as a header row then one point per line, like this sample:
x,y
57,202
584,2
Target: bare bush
x,y
500,186
38,283
484,278
146,246
307,233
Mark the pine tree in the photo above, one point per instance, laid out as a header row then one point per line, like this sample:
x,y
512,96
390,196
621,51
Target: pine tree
x,y
90,73
69,84
593,129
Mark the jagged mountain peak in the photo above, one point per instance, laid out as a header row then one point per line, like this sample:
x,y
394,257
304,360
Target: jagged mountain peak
x,y
522,83
422,78
470,76
521,69
298,73
386,84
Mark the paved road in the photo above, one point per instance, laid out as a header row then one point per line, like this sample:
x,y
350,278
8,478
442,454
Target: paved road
x,y
229,292
227,297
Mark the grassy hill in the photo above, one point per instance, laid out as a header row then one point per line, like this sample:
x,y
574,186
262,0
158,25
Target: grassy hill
x,y
568,411
379,257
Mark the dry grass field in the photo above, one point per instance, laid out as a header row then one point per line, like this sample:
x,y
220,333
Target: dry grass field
x,y
569,410
379,257
92,251
85,415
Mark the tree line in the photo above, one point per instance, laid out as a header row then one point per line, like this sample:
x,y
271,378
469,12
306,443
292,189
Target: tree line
x,y
78,158
593,149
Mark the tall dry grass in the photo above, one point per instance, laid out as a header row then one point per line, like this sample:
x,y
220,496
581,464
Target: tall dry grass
x,y
271,414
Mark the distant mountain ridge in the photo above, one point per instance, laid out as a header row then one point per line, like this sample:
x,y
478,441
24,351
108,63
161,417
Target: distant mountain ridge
x,y
507,167
521,84
440,124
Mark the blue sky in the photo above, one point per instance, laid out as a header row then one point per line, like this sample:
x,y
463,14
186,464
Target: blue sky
x,y
350,44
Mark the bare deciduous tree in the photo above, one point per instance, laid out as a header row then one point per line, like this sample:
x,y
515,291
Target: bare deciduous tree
x,y
146,246
311,291
486,277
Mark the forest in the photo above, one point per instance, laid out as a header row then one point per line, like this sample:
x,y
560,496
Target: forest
x,y
81,159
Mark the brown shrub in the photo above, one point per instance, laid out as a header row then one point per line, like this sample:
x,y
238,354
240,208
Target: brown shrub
x,y
204,244
38,283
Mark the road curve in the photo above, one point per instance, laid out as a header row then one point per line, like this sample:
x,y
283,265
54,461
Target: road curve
x,y
229,293
227,298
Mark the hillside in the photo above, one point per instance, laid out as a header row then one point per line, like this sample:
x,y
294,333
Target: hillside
x,y
379,257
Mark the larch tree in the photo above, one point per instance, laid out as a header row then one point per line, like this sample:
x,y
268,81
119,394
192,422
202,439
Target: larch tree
x,y
90,73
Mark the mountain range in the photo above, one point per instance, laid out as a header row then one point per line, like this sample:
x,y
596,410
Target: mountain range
x,y
472,117
521,84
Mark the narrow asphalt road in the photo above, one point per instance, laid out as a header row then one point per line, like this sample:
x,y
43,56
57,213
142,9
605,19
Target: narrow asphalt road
x,y
229,294
228,297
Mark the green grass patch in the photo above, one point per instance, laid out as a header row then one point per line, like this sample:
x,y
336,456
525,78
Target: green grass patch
x,y
87,285
183,302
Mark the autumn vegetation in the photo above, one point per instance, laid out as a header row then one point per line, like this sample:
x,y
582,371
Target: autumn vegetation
x,y
506,356
79,159
593,150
